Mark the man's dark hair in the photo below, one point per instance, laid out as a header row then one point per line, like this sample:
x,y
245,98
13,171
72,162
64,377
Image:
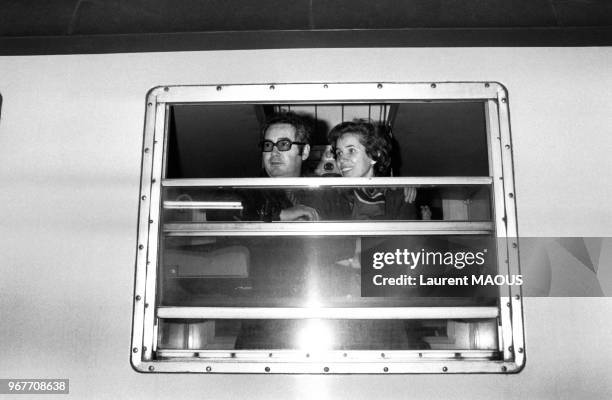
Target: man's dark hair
x,y
373,137
301,125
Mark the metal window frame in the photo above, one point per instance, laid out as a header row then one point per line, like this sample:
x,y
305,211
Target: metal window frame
x,y
145,314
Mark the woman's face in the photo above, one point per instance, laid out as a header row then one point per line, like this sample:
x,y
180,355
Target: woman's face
x,y
352,158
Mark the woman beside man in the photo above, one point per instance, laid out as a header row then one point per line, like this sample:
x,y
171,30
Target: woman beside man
x,y
363,149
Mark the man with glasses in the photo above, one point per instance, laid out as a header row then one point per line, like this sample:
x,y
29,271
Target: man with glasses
x,y
285,146
286,266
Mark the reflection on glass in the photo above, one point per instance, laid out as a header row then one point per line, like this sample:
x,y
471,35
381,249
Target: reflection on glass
x,y
235,204
313,335
299,271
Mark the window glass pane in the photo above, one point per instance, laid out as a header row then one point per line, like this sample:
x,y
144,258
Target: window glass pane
x,y
440,139
429,138
213,140
329,271
235,204
332,334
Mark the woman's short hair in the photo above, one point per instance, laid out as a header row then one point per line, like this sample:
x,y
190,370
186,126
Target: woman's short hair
x,y
372,136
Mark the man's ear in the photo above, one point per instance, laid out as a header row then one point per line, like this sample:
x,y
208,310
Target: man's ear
x,y
305,152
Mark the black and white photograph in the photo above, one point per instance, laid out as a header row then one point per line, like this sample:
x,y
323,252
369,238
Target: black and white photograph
x,y
325,199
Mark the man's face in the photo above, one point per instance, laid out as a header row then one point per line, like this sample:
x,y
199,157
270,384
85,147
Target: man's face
x,y
283,163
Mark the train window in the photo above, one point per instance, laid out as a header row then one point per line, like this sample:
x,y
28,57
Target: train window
x,y
386,241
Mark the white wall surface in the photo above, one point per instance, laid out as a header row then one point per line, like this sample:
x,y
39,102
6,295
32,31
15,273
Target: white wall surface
x,y
70,141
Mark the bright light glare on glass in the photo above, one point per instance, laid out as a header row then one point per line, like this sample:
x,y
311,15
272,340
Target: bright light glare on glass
x,y
485,335
316,335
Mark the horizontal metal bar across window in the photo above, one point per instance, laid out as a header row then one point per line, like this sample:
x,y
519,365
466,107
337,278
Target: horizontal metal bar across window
x,y
330,182
328,313
345,356
328,228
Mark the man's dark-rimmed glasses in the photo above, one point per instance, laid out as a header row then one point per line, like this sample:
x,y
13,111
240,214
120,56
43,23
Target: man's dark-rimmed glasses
x,y
282,145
